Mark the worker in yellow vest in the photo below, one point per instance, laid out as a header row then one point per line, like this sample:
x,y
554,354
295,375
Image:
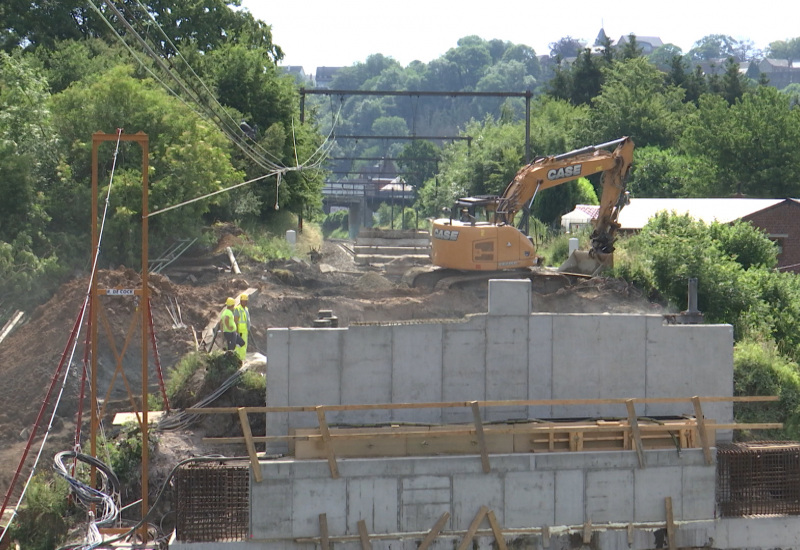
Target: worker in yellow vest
x,y
242,314
227,323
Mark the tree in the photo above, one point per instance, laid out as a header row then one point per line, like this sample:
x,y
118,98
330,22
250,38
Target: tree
x,y
190,158
630,49
566,47
734,83
664,56
525,55
634,101
749,142
785,49
714,46
667,173
420,160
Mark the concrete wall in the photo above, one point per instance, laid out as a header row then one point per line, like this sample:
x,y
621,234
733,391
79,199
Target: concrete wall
x,y
408,495
507,353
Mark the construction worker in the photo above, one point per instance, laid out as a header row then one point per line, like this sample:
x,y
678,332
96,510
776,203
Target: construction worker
x,y
242,314
228,324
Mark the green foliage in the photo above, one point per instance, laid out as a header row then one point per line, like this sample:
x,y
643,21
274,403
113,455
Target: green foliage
x,y
759,369
41,523
749,143
668,173
733,264
125,452
181,373
555,249
397,217
336,222
634,101
253,381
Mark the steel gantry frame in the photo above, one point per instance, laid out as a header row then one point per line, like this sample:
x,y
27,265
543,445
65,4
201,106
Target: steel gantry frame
x,y
405,93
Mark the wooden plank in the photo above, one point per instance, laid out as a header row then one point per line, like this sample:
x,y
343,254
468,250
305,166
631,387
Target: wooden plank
x,y
670,524
326,437
476,414
363,535
637,436
701,429
545,536
473,528
630,534
324,541
251,448
434,532
498,533
510,403
587,532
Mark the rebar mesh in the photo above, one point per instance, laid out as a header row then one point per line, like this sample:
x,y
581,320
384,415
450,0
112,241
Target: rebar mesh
x,y
213,503
758,478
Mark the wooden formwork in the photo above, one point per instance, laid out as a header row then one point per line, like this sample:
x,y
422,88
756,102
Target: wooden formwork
x,y
505,438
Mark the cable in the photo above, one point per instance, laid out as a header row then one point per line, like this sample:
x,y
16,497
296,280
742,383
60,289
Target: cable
x,y
106,496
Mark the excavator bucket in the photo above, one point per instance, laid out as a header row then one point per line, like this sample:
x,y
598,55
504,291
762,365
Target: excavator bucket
x,y
582,262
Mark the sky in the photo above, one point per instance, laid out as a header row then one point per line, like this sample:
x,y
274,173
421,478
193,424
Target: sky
x,y
340,33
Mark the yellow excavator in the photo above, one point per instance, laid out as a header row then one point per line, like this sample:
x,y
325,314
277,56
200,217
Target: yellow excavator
x,y
480,241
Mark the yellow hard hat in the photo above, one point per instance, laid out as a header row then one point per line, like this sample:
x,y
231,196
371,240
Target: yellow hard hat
x,y
243,298
230,302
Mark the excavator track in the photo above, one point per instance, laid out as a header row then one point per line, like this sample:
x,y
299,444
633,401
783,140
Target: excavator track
x,y
543,280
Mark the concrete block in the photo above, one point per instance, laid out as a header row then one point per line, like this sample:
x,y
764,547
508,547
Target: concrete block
x,y
367,467
597,357
770,532
271,508
698,493
366,372
601,460
540,363
570,497
609,496
507,364
375,501
277,380
416,370
687,360
463,370
470,492
651,487
312,497
423,501
509,297
316,355
529,499
446,466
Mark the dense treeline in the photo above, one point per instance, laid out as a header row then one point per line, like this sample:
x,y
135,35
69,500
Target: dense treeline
x,y
186,75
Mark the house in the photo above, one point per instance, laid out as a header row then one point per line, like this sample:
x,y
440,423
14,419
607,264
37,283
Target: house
x,y
648,44
582,216
780,72
778,218
298,73
324,76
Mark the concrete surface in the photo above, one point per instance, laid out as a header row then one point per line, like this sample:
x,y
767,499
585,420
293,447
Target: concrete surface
x,y
505,354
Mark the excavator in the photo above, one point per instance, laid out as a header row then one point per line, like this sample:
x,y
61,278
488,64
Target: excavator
x,y
479,240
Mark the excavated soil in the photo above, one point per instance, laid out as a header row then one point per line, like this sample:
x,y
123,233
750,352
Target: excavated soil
x,y
187,297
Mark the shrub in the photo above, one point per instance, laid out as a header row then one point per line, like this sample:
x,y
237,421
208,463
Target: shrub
x,y
759,369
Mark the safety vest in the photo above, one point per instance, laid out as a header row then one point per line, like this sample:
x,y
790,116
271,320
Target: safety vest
x,y
226,321
244,318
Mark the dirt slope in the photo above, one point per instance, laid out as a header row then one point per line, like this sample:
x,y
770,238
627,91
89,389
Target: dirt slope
x,y
288,294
